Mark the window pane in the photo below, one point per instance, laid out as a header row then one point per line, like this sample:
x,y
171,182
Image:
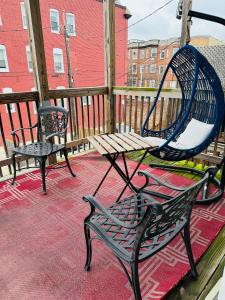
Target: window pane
x,y
2,59
70,24
24,16
54,16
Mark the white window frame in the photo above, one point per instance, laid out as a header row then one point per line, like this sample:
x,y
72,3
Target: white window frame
x,y
23,15
142,53
152,83
8,90
152,68
142,68
134,53
173,84
174,50
73,24
28,53
153,54
134,72
58,51
134,81
162,54
6,69
52,10
161,69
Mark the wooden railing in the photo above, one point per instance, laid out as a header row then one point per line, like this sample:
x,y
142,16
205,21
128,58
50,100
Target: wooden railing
x,y
88,111
132,105
87,116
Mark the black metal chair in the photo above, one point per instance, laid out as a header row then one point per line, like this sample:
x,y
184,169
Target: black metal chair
x,y
137,227
52,122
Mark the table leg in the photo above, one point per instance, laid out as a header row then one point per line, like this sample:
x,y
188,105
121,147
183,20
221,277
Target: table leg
x,y
103,179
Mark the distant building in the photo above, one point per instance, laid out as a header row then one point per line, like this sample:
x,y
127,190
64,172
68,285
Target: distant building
x,y
147,60
216,56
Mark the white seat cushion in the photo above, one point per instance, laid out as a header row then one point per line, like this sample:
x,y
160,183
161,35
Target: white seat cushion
x,y
195,133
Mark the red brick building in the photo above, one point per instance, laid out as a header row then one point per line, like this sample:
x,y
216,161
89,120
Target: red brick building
x,y
84,21
85,24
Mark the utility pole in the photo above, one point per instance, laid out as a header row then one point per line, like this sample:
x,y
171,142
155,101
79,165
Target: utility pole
x,y
70,76
67,44
185,6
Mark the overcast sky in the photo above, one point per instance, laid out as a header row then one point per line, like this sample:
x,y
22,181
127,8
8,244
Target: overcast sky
x,y
164,24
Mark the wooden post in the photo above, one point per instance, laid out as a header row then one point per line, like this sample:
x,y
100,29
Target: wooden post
x,y
109,14
186,23
37,47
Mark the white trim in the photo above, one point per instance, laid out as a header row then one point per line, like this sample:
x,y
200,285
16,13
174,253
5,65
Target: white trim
x,y
54,11
162,54
23,15
6,69
58,51
28,53
73,24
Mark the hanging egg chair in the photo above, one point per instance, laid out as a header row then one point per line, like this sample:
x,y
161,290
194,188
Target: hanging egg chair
x,y
199,117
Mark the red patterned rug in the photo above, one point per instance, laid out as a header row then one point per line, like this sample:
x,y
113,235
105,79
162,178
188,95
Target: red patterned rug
x,y
42,248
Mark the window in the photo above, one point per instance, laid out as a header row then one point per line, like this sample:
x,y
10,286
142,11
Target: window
x,y
141,83
29,61
70,24
23,14
151,83
12,108
4,67
153,52
134,54
130,68
162,54
161,69
54,19
34,89
134,69
61,102
134,82
58,60
175,50
142,68
152,68
142,53
146,68
173,84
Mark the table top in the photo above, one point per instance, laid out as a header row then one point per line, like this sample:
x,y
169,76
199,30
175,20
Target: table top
x,y
119,143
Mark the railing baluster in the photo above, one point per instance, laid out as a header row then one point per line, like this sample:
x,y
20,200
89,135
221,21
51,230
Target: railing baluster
x,y
70,119
93,113
135,114
161,113
125,114
130,113
141,111
82,120
119,112
98,106
103,113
